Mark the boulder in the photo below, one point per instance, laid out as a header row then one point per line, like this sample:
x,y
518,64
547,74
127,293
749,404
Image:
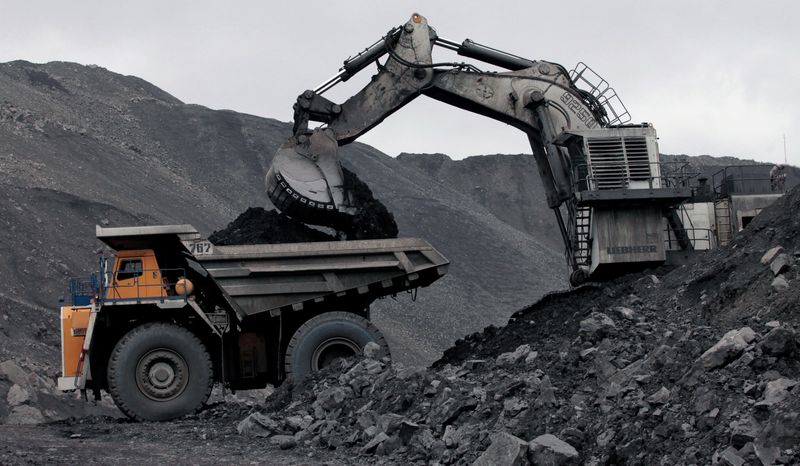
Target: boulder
x,y
25,415
407,431
769,255
14,373
660,397
778,341
743,431
547,396
730,457
624,312
473,364
767,455
285,442
727,349
505,450
775,392
519,354
597,326
780,283
298,422
372,445
331,398
550,450
372,350
781,264
17,395
257,425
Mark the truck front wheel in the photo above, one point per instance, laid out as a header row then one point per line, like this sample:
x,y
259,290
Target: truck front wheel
x,y
327,337
159,372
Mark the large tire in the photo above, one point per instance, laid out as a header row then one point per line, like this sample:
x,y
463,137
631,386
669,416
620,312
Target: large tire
x,y
159,372
326,337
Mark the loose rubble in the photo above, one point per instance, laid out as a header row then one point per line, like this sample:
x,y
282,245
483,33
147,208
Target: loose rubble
x,y
696,364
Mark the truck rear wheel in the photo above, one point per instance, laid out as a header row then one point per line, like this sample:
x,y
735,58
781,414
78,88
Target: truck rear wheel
x,y
327,337
159,372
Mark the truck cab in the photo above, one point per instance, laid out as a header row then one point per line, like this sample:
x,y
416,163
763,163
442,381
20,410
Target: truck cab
x,y
136,275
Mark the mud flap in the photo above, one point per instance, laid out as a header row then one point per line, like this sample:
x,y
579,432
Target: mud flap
x,y
77,328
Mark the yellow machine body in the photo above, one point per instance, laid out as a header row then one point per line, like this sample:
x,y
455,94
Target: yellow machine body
x,y
74,325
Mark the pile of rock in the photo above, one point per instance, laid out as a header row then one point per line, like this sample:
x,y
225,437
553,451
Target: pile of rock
x,y
21,389
27,396
781,265
590,403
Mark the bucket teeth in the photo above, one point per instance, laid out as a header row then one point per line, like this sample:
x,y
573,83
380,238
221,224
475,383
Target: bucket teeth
x,y
305,180
292,203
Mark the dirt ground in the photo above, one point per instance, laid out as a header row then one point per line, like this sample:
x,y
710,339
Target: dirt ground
x,y
207,438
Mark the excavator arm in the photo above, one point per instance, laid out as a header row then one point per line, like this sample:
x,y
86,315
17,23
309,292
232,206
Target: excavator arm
x,y
540,98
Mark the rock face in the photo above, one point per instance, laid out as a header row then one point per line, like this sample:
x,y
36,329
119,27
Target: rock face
x,y
547,449
505,450
258,425
597,326
727,349
25,415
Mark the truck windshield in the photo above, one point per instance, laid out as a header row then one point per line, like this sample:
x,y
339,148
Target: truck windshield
x,y
129,268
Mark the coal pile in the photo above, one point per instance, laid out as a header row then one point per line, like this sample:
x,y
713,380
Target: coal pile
x,y
372,219
257,225
698,364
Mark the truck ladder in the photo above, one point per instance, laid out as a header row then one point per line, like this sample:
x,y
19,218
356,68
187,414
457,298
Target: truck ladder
x,y
583,226
722,215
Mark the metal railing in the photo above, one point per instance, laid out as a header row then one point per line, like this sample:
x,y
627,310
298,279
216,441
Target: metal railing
x,y
144,291
622,176
82,290
97,287
708,239
745,179
589,81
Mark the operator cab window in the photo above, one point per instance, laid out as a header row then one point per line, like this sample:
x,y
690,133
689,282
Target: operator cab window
x,y
129,268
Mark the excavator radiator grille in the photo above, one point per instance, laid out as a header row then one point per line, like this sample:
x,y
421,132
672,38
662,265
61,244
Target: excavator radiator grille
x,y
617,161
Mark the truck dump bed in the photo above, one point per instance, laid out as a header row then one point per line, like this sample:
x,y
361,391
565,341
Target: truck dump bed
x,y
261,278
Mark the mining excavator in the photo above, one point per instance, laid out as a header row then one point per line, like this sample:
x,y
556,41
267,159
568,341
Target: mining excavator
x,y
613,201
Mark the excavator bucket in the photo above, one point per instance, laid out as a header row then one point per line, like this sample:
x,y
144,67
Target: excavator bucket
x,y
306,182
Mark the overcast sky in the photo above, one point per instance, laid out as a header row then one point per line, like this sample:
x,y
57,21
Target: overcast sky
x,y
714,77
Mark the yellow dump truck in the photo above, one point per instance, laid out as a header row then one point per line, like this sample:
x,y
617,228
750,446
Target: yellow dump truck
x,y
171,314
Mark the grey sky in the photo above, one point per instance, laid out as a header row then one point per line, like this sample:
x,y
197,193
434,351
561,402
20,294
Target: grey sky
x,y
714,77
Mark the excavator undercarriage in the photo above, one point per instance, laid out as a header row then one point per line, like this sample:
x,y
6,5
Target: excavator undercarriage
x,y
601,175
